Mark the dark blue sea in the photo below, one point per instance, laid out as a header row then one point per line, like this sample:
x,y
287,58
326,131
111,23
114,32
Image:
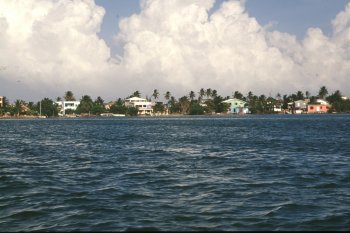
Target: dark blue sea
x,y
256,172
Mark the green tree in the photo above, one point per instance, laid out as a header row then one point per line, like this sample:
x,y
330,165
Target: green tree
x,y
98,106
155,94
238,95
201,94
214,93
307,94
208,92
313,99
131,111
69,96
278,96
174,105
118,107
196,109
158,107
323,92
209,106
18,107
99,101
86,105
167,95
5,106
192,95
184,104
250,95
335,97
300,95
48,107
338,104
136,94
253,101
219,106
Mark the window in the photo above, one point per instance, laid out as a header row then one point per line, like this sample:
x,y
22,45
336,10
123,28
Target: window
x,y
311,107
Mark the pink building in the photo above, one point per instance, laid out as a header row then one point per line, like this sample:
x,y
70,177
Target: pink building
x,y
318,108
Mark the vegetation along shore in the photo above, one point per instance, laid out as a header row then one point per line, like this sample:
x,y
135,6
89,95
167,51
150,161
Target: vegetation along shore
x,y
204,102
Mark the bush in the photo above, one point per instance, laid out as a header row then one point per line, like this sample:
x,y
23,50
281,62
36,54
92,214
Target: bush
x,y
196,109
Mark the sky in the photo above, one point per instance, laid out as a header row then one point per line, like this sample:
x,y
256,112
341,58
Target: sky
x,y
111,48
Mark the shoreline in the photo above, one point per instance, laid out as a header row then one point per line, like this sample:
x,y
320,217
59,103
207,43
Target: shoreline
x,y
165,116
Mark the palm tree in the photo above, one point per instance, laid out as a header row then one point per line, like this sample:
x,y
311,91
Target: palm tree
x,y
323,92
99,101
174,106
238,95
155,94
172,101
184,104
307,94
18,106
48,107
250,95
167,95
86,104
208,92
192,95
69,96
201,94
300,95
136,94
278,96
214,93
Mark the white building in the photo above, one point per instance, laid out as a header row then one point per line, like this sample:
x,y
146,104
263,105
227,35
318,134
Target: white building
x,y
1,101
277,108
321,101
67,105
144,106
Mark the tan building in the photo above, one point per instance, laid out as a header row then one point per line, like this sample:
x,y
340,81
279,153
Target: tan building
x,y
1,101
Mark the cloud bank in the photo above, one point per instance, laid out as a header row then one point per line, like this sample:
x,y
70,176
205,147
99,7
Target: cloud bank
x,y
48,47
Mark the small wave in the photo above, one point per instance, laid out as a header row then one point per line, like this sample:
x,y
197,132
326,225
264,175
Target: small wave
x,y
133,196
135,174
336,222
330,185
184,217
27,214
190,185
346,179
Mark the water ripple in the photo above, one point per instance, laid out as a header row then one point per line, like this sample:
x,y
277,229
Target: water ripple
x,y
180,173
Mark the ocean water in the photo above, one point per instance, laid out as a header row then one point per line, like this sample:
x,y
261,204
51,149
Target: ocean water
x,y
258,172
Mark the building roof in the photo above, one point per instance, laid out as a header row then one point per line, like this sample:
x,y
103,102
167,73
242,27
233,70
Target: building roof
x,y
135,98
321,101
234,100
69,102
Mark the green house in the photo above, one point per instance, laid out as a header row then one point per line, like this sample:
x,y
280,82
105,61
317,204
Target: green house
x,y
237,106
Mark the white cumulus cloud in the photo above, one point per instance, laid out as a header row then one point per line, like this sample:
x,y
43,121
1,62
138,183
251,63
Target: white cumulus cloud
x,y
178,44
50,46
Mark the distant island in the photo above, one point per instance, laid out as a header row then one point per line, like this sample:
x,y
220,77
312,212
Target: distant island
x,y
204,102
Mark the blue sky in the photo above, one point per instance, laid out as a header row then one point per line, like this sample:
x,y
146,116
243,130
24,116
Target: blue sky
x,y
291,16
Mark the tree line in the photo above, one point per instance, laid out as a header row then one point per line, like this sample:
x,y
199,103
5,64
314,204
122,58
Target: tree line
x,y
205,101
